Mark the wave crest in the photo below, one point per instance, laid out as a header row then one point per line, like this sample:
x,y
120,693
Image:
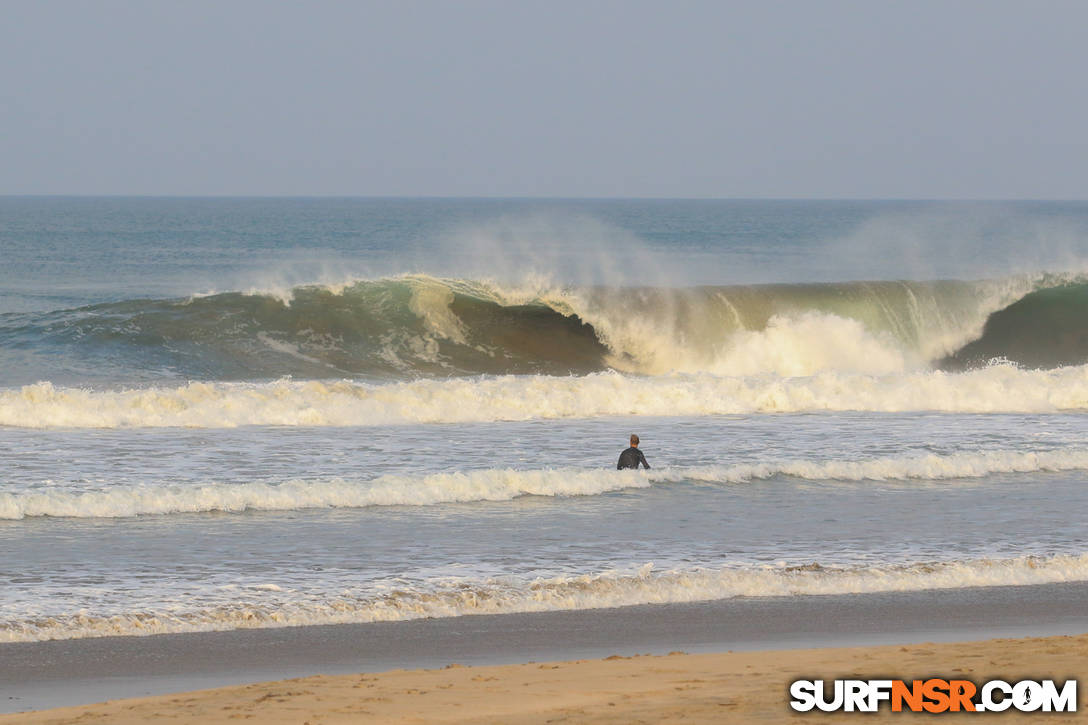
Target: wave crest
x,y
997,388
502,485
415,325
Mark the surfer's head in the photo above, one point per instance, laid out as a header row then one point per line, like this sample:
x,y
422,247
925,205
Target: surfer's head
x,y
634,441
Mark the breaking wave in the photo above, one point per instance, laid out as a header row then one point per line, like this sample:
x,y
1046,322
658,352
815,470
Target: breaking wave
x,y
996,388
271,606
502,485
418,326
1045,329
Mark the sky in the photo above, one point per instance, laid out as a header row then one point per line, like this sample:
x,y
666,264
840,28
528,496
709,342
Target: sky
x,y
954,99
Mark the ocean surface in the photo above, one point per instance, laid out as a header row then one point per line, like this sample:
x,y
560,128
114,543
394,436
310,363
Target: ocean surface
x,y
240,413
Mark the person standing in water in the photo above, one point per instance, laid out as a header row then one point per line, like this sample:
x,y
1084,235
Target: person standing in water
x,y
632,456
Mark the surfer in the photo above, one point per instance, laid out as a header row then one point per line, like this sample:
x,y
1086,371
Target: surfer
x,y
632,456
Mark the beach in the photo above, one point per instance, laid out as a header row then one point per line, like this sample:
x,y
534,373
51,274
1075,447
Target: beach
x,y
722,687
542,362
41,675
253,440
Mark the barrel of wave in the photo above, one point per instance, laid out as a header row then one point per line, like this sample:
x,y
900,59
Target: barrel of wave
x,y
788,330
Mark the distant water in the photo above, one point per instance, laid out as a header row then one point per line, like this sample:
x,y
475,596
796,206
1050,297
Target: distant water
x,y
220,413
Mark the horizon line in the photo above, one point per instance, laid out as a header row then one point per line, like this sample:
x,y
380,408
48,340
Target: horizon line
x,y
434,197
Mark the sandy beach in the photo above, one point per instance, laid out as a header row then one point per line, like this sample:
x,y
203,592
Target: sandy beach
x,y
723,687
63,673
543,362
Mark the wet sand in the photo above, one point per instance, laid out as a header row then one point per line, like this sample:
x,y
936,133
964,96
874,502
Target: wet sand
x,y
40,675
724,687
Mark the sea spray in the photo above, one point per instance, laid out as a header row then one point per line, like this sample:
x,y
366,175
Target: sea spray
x,y
419,326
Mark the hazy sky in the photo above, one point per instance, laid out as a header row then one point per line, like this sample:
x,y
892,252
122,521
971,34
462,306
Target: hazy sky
x,y
864,99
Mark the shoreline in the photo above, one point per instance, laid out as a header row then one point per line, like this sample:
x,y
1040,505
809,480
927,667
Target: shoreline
x,y
721,687
40,675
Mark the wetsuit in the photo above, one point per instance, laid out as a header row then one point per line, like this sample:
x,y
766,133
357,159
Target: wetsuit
x,y
631,458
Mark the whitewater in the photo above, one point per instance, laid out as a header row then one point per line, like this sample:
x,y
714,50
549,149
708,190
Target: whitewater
x,y
113,500
997,388
221,414
412,326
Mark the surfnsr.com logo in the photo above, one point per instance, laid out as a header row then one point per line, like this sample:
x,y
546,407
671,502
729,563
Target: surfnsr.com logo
x,y
933,695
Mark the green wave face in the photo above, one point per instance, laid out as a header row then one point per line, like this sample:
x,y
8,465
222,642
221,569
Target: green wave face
x,y
394,328
1045,329
414,326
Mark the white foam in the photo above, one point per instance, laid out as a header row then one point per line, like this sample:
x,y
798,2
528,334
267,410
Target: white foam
x,y
808,343
272,607
998,388
114,501
875,328
390,490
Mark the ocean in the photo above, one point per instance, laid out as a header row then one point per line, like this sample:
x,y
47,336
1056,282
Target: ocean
x,y
222,414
